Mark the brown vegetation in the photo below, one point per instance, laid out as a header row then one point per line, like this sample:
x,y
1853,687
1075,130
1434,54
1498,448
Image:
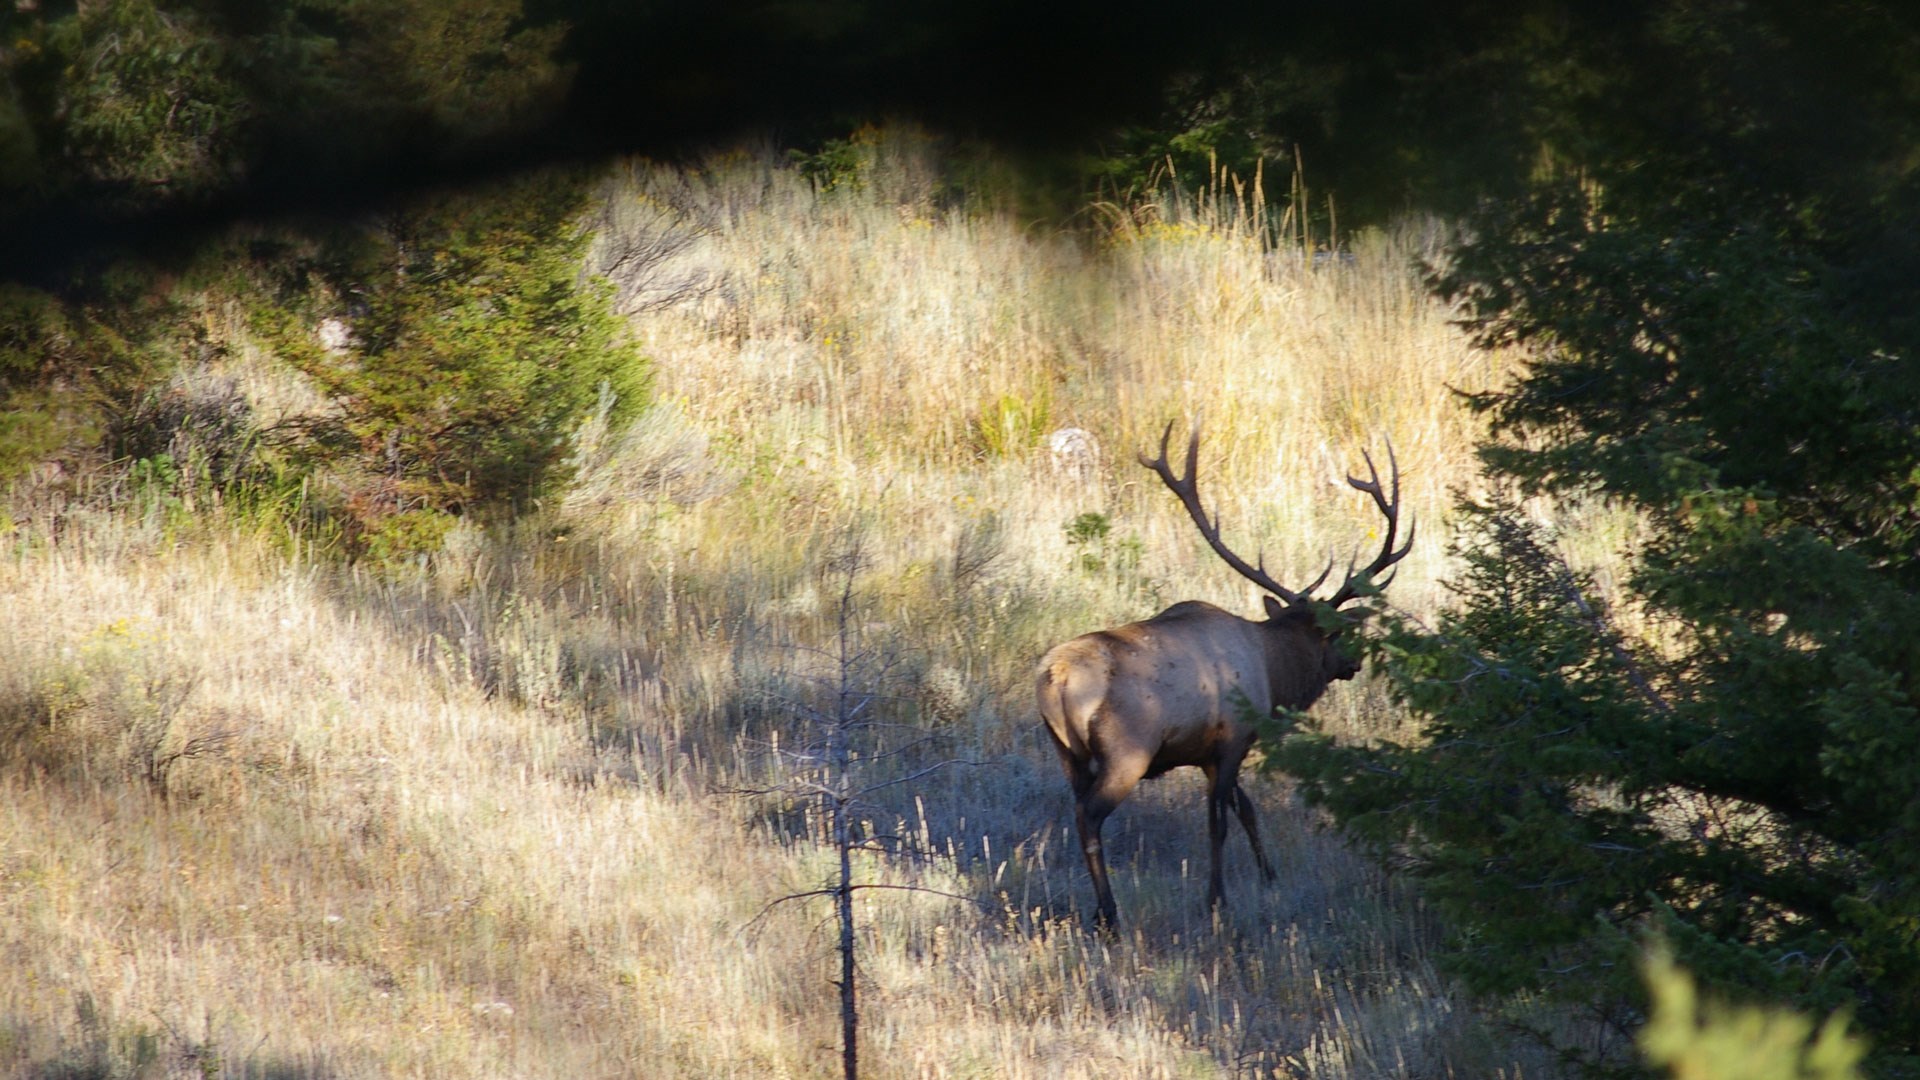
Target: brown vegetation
x,y
462,822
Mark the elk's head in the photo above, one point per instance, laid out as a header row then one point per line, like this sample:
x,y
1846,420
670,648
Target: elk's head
x,y
1313,624
1308,625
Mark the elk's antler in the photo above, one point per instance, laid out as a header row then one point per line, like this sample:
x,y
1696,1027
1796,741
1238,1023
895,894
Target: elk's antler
x,y
1390,508
1188,489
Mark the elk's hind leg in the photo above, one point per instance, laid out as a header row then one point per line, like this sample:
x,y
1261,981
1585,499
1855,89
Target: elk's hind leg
x,y
1095,797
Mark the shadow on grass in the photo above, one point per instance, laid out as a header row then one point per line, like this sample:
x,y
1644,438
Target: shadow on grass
x,y
1324,970
96,1047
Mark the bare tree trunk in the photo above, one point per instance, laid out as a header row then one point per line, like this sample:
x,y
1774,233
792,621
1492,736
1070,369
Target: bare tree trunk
x,y
849,1012
830,762
840,754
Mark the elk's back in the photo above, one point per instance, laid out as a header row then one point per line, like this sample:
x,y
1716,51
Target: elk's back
x,y
1163,687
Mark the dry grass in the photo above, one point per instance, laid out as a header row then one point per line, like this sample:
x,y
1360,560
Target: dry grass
x,y
475,822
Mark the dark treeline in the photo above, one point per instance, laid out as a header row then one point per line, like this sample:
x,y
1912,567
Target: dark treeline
x,y
152,122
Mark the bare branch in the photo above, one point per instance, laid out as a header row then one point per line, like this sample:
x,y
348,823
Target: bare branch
x,y
1616,645
911,777
777,901
981,904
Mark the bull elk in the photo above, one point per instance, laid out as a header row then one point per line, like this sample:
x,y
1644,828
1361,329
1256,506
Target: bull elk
x,y
1130,703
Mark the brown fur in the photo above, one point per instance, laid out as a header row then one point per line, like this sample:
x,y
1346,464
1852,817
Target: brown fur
x,y
1132,702
1135,701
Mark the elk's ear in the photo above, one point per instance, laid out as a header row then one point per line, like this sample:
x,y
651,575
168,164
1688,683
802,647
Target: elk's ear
x,y
1279,612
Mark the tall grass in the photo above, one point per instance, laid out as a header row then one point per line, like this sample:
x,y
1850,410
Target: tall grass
x,y
476,820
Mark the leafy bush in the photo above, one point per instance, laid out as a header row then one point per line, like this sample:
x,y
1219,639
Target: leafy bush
x,y
138,103
475,346
71,366
839,164
134,99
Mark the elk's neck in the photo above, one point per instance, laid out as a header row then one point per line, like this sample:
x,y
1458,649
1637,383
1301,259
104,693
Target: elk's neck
x,y
1296,675
1300,692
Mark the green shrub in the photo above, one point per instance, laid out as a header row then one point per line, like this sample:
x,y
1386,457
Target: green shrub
x,y
839,164
60,367
1012,424
83,375
395,539
475,347
137,102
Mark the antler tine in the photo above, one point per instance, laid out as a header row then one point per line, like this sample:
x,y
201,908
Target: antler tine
x,y
1187,489
1322,579
1389,506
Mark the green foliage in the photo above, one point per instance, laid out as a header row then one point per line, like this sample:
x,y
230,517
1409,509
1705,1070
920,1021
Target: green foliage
x,y
1011,424
839,164
1251,126
156,484
1097,550
1696,1040
1089,529
29,430
1718,298
1087,535
1565,792
71,366
469,69
1513,839
475,348
121,107
137,102
394,539
134,97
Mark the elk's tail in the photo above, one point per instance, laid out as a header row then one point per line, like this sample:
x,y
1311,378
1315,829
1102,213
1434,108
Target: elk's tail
x,y
1057,697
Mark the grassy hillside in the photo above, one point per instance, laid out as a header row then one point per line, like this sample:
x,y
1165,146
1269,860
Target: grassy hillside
x,y
496,815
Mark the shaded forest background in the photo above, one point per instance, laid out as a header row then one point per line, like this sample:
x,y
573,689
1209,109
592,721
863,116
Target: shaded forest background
x,y
1697,222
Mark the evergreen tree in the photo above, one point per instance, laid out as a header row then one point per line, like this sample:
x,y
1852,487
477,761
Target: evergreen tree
x,y
466,344
1717,292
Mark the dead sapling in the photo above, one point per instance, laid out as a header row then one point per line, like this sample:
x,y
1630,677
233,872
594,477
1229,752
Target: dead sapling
x,y
838,756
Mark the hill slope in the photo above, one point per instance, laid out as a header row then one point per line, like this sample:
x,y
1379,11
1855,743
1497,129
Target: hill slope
x,y
493,816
